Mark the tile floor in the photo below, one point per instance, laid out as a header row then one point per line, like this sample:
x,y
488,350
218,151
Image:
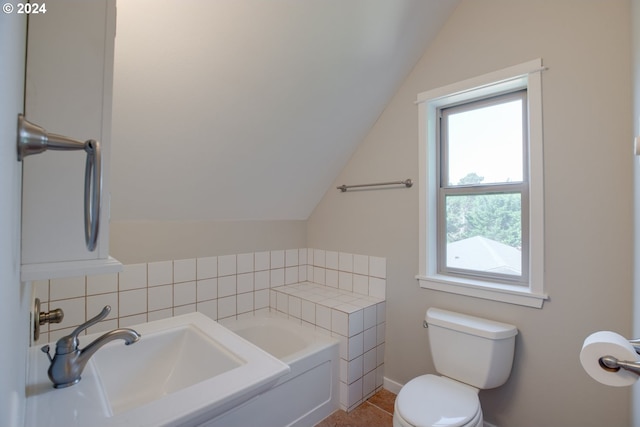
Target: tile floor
x,y
377,411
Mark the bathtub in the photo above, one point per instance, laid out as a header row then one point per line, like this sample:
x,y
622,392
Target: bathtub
x,y
305,396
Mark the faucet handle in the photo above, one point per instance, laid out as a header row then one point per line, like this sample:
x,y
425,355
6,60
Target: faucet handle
x,y
69,343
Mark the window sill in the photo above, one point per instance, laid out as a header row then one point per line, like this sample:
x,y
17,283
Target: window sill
x,y
492,291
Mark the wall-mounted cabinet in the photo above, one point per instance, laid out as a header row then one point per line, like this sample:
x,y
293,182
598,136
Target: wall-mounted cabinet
x,y
68,91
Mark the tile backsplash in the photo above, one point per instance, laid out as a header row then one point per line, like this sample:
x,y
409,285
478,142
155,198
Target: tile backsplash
x,y
219,286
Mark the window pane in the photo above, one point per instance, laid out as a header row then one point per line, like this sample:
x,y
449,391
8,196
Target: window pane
x,y
485,144
484,233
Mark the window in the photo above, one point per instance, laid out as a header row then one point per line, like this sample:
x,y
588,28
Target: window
x,y
481,204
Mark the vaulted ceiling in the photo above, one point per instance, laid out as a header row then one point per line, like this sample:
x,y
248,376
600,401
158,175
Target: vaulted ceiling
x,y
249,109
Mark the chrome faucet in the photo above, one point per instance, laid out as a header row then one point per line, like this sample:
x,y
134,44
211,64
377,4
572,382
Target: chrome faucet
x,y
69,361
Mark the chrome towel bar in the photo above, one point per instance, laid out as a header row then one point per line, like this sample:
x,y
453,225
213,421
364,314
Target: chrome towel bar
x,y
407,183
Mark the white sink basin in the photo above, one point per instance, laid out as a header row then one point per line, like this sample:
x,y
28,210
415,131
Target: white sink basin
x,y
183,371
159,364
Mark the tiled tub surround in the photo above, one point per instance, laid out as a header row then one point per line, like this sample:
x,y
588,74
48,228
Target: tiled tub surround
x,y
341,294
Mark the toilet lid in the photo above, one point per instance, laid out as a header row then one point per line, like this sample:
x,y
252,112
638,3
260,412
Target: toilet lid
x,y
430,400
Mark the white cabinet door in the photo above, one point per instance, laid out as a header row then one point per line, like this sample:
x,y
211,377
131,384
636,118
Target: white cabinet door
x,y
69,82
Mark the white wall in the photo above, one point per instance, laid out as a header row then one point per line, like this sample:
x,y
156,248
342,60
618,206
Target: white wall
x,y
588,203
14,314
143,241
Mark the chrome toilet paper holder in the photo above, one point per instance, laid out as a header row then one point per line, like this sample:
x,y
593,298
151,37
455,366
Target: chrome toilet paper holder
x,y
613,364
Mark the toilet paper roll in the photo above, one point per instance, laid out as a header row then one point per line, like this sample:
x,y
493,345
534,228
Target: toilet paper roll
x,y
606,343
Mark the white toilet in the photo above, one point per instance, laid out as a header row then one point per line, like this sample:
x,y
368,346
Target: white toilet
x,y
471,354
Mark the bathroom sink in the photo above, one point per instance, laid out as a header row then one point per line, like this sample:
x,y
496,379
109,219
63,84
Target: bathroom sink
x,y
183,371
159,364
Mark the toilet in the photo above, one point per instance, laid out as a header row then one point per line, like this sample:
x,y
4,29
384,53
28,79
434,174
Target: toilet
x,y
471,354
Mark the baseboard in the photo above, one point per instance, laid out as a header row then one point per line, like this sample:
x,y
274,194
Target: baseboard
x,y
392,386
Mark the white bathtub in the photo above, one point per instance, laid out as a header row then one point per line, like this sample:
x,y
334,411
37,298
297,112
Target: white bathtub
x,y
308,394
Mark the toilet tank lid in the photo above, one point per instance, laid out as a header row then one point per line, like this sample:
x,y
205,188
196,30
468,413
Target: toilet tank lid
x,y
470,324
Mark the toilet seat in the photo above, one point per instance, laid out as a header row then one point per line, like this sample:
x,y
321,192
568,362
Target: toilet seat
x,y
434,401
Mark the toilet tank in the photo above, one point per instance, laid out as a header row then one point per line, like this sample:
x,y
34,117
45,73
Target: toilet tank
x,y
475,351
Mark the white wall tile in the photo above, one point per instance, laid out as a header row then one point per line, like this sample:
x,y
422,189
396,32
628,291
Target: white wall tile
x,y
356,346
160,297
244,302
361,284
331,260
134,276
319,275
160,314
369,361
377,287
295,307
276,277
261,280
354,369
319,257
344,371
302,273
368,384
323,317
132,302
302,256
160,273
226,265
370,316
331,278
261,299
184,293
262,261
102,284
74,313
226,307
291,258
206,268
184,270
345,262
355,394
308,311
370,339
70,287
207,289
129,321
244,282
378,267
345,281
356,322
339,322
361,264
282,302
380,354
380,332
227,286
245,263
381,312
277,259
184,309
291,275
208,308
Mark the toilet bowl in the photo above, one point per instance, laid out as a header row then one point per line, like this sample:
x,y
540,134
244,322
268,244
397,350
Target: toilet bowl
x,y
430,400
471,354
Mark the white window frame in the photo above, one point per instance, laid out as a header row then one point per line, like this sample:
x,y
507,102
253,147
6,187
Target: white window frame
x,y
522,76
